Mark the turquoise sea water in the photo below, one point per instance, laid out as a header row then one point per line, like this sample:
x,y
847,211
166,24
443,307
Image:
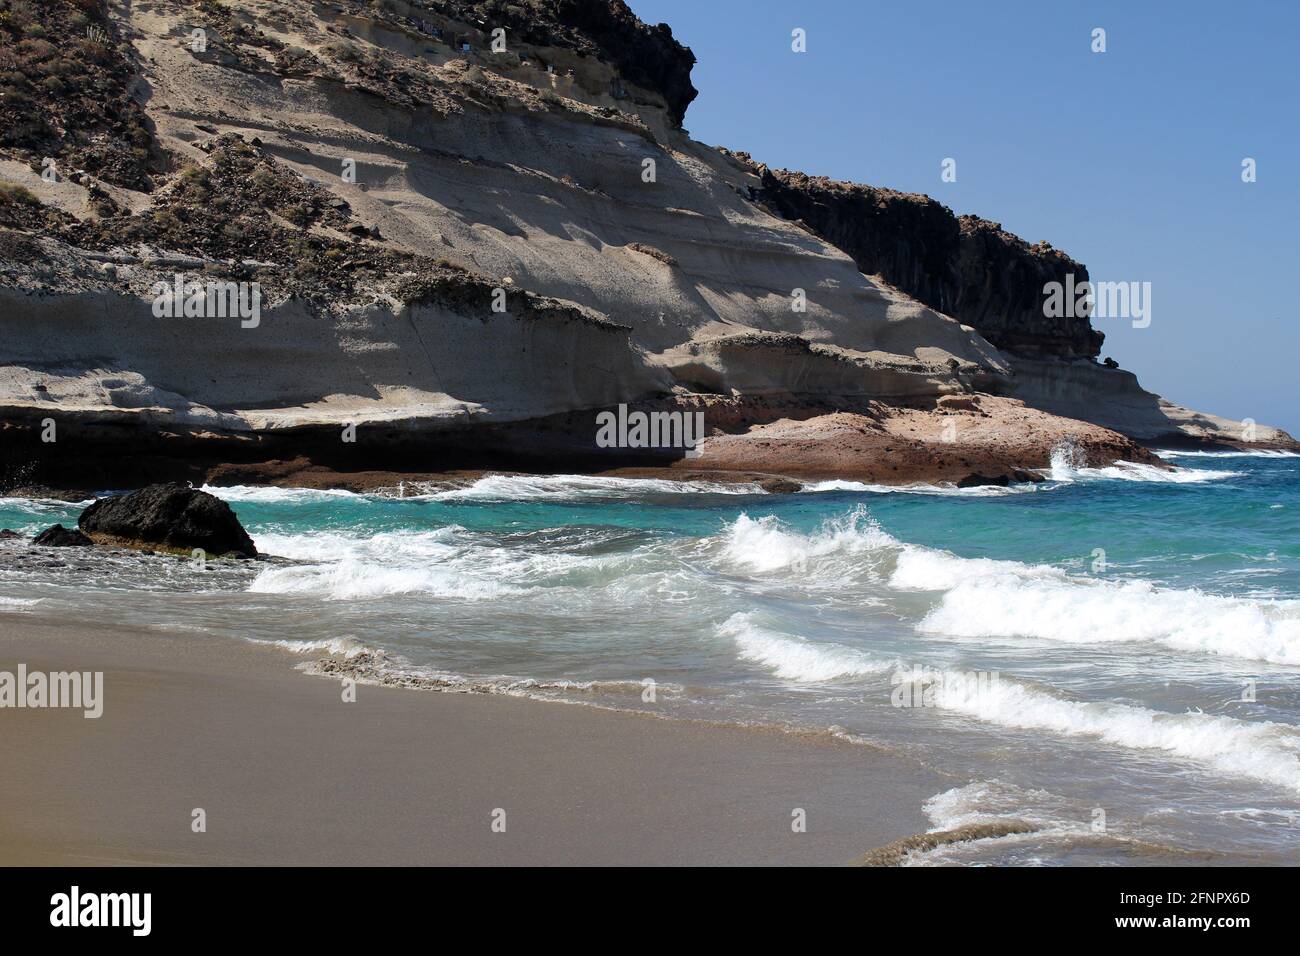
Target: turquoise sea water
x,y
1112,656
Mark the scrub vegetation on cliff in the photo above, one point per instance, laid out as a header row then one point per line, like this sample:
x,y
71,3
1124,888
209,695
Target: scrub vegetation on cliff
x,y
457,245
65,92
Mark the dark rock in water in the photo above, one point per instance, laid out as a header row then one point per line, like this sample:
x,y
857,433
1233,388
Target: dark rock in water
x,y
172,516
1014,476
1022,476
779,486
61,537
7,533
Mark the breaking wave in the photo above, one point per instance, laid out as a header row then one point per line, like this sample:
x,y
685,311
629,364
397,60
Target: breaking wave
x,y
768,544
526,487
265,494
1260,750
1066,467
1263,751
987,598
793,658
1261,453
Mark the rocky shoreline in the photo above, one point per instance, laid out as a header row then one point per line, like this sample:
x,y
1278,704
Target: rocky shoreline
x,y
459,262
960,438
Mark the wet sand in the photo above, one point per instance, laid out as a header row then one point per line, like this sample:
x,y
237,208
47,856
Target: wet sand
x,y
288,773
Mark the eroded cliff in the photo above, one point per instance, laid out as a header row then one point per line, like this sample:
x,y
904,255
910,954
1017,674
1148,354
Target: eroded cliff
x,y
964,266
452,228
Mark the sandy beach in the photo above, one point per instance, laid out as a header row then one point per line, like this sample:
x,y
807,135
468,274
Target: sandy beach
x,y
290,774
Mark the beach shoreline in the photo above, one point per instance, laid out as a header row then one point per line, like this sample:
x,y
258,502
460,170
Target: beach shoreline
x,y
287,772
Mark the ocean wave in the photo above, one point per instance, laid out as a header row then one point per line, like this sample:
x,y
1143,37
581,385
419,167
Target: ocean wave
x,y
944,490
346,647
1262,750
353,578
388,546
993,801
452,562
527,487
265,494
793,658
1261,453
1066,468
1138,471
368,666
17,604
988,598
768,544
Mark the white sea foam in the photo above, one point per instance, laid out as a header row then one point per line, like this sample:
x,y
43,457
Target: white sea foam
x,y
524,487
985,597
768,544
1138,471
455,563
1260,453
929,569
793,658
351,579
943,490
290,496
388,547
988,598
347,647
993,801
1066,467
17,604
1260,750
349,567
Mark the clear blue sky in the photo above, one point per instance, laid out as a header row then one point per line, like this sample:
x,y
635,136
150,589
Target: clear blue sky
x,y
1129,160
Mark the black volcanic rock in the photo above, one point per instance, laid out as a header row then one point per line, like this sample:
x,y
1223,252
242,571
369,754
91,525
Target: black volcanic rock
x,y
966,267
1014,476
172,516
648,56
61,537
780,486
976,480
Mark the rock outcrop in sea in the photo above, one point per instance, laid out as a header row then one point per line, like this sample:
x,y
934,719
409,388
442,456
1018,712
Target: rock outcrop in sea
x,y
421,236
61,537
167,517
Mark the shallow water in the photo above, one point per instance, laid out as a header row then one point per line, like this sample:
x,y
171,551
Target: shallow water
x,y
1073,654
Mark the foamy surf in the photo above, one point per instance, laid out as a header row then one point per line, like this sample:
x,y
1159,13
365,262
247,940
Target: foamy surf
x,y
1260,453
920,488
17,604
354,579
532,487
1066,467
1262,751
769,544
793,658
265,494
346,647
368,666
988,598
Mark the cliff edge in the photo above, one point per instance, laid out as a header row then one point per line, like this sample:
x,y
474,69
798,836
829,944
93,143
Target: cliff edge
x,y
439,234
